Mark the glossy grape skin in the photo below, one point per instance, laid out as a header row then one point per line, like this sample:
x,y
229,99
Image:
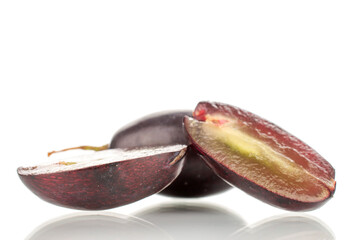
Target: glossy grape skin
x,y
166,128
106,185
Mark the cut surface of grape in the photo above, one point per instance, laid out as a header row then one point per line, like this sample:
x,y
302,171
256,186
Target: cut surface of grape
x,y
260,158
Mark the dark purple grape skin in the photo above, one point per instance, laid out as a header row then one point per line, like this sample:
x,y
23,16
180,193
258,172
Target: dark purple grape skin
x,y
166,128
107,185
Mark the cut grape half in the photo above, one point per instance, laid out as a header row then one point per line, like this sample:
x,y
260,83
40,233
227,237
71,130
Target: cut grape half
x,y
260,158
105,179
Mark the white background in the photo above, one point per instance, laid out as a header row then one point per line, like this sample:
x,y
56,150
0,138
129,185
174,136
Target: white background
x,y
73,72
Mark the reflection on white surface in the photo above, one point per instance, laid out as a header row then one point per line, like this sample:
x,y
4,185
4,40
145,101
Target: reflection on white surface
x,y
184,221
181,222
194,222
102,226
286,228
